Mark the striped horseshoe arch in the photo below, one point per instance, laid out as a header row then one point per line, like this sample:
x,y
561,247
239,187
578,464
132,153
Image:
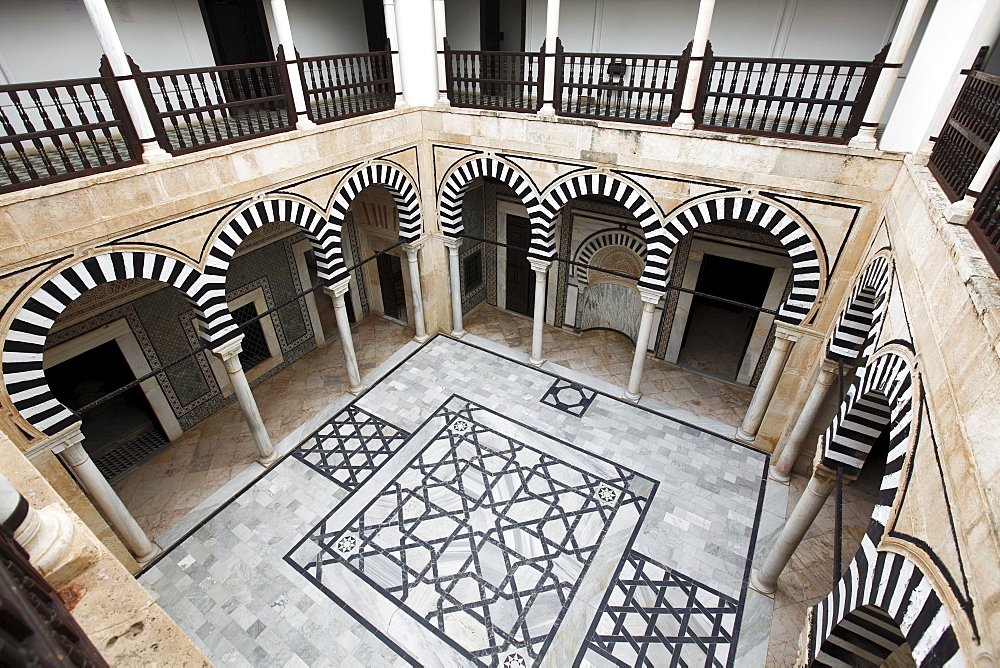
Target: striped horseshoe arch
x,y
256,215
881,593
23,374
453,197
654,276
805,259
857,328
395,181
881,395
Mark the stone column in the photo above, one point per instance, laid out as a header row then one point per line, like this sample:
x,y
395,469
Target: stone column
x,y
417,298
541,268
781,468
441,32
901,40
650,298
418,59
783,340
229,353
70,450
961,211
46,534
551,39
389,8
456,286
685,121
765,577
97,10
284,30
337,293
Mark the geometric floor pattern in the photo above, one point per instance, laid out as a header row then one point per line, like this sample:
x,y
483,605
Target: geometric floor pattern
x,y
351,447
452,515
655,616
482,538
569,397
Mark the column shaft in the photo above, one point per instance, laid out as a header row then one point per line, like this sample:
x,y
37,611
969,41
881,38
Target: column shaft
x,y
781,469
551,39
114,511
641,348
456,287
699,44
961,211
765,577
765,389
389,9
346,340
440,31
241,387
100,17
284,29
541,269
418,301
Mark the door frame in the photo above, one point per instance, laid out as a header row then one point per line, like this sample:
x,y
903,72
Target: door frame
x,y
262,14
782,266
120,332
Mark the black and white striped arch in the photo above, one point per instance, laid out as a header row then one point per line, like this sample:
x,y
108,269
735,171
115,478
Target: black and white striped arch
x,y
393,179
857,328
604,239
639,203
23,374
457,182
842,627
806,272
255,215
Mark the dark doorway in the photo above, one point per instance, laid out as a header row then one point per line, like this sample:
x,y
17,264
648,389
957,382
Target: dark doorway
x,y
237,31
717,333
390,278
92,375
375,24
489,25
255,349
501,25
520,286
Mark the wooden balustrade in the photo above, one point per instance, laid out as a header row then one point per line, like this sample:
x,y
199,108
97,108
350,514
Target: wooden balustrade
x,y
985,222
349,85
502,80
965,140
63,129
819,100
197,108
620,87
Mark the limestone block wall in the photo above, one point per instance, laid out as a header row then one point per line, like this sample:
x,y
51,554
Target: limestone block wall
x,y
119,616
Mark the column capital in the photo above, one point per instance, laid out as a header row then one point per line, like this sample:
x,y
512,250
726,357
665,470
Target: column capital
x,y
650,296
229,349
826,368
451,242
55,444
414,246
338,289
539,266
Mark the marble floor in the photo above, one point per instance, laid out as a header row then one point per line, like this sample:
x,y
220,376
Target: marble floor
x,y
437,519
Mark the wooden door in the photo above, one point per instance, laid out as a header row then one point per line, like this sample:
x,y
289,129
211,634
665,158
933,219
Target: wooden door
x,y
390,278
520,279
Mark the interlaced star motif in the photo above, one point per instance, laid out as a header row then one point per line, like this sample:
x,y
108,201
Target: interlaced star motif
x,y
460,426
514,661
607,494
347,544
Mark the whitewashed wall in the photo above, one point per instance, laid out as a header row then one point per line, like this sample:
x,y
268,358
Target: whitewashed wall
x,y
42,40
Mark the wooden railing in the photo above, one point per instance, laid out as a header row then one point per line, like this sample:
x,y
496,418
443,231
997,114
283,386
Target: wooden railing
x,y
620,87
194,109
985,222
502,80
819,100
350,85
971,128
63,129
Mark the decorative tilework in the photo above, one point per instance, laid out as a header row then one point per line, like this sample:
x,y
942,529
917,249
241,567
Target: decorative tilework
x,y
482,539
351,447
655,616
569,397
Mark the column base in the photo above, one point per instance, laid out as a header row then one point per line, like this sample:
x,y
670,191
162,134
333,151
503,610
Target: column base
x,y
777,476
400,103
745,437
863,140
304,124
267,461
356,390
443,102
534,362
422,338
153,154
458,333
547,110
759,586
153,554
683,122
634,398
